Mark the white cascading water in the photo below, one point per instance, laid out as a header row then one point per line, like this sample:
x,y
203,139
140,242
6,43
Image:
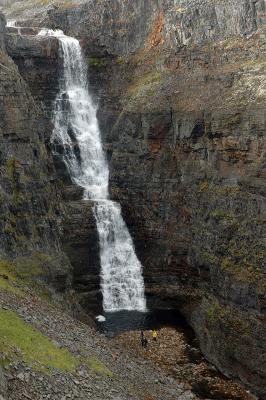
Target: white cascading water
x,y
76,129
11,23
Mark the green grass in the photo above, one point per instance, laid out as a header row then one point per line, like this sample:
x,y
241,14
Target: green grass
x,y
7,285
4,361
7,278
20,340
26,270
7,269
17,276
16,336
97,366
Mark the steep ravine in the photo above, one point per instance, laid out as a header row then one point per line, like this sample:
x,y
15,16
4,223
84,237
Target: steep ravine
x,y
182,109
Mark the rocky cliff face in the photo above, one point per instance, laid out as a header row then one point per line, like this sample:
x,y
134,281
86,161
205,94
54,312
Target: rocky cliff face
x,y
184,125
29,197
188,165
181,89
39,63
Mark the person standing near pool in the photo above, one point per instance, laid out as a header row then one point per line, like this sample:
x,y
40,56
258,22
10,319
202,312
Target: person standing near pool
x,y
142,338
144,341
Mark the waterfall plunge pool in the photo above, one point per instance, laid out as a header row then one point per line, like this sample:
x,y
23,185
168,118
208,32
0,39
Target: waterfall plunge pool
x,y
123,321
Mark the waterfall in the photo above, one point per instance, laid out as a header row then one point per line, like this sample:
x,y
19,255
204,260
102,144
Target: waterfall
x,y
11,23
76,129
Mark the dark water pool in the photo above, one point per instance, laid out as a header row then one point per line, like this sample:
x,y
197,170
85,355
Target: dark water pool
x,y
123,321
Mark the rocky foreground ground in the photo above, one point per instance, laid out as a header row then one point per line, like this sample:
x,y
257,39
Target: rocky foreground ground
x,y
47,354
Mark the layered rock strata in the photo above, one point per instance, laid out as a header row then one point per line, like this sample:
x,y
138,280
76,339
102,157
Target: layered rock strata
x,y
31,214
181,92
184,124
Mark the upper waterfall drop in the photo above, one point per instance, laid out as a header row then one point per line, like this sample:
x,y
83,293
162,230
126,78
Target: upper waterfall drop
x,y
76,129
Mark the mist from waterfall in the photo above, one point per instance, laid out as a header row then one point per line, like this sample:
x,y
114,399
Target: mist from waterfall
x,y
76,129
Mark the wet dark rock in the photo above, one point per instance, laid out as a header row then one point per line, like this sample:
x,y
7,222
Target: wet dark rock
x,y
30,203
38,60
80,243
2,31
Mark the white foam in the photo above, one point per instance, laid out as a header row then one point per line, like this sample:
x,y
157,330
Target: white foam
x,y
100,318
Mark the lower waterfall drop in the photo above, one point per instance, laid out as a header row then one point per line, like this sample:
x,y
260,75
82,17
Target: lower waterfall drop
x,y
76,130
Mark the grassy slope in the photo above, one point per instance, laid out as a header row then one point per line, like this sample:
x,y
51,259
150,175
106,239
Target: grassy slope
x,y
19,340
18,337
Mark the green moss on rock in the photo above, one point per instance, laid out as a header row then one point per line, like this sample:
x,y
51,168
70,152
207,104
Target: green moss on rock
x,y
25,272
145,87
229,317
97,62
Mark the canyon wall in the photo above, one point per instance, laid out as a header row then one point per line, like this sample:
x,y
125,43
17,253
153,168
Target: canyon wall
x,y
181,91
182,111
30,199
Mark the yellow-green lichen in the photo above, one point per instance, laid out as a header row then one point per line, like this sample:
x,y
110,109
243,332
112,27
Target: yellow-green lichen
x,y
228,316
221,214
97,62
209,258
145,84
12,164
203,186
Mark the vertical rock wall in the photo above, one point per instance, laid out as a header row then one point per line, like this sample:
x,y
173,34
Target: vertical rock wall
x,y
30,224
182,114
